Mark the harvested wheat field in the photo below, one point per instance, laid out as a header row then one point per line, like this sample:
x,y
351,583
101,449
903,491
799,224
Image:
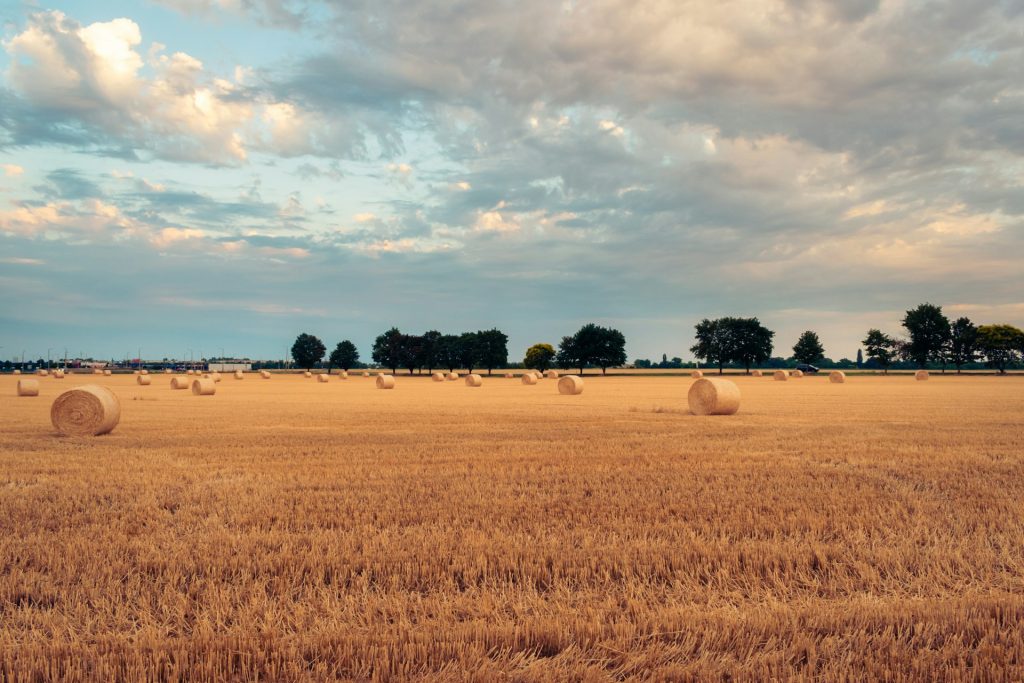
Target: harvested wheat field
x,y
284,531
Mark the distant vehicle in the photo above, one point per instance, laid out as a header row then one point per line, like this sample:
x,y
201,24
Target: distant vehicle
x,y
804,367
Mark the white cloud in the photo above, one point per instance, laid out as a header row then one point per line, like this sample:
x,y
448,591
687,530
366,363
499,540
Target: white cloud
x,y
12,170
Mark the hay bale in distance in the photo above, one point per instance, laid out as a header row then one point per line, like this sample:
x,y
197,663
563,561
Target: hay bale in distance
x,y
17,372
570,385
921,375
28,387
529,378
143,372
144,380
343,374
58,374
107,373
322,378
837,377
88,410
190,371
215,376
452,376
179,382
366,374
509,375
713,397
780,376
264,374
97,371
797,373
756,373
204,386
42,372
385,381
307,374
239,375
474,380
167,371
437,377
697,374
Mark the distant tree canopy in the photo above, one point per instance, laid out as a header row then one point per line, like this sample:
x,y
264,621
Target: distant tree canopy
x,y
592,345
387,349
487,348
929,333
808,348
492,349
539,357
881,348
307,351
963,343
1000,345
726,340
345,355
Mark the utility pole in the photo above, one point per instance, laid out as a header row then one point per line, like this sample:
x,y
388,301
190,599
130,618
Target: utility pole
x,y
48,358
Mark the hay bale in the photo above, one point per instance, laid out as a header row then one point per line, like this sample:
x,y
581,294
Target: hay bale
x,y
190,372
437,376
239,375
529,378
136,372
42,372
97,371
781,376
323,379
797,373
58,374
697,374
343,374
307,374
215,376
713,397
89,410
107,373
17,372
509,375
921,375
452,376
179,382
837,377
143,372
551,374
385,381
204,386
473,380
167,371
264,374
756,373
28,387
366,374
144,380
570,385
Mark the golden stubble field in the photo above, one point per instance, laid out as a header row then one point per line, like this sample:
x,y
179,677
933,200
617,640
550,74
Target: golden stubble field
x,y
286,530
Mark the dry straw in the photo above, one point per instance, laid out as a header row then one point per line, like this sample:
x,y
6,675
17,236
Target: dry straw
x,y
551,374
713,397
696,374
204,386
89,410
167,371
529,378
780,376
509,375
58,374
307,374
239,375
143,372
756,373
264,374
452,376
385,381
107,373
215,376
28,387
570,385
921,375
343,374
190,372
179,382
366,374
837,377
322,378
144,380
437,376
473,380
17,372
42,372
797,373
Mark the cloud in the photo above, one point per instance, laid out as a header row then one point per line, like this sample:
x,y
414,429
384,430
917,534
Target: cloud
x,y
12,170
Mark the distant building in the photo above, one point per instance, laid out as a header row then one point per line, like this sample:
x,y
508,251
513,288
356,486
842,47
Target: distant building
x,y
230,365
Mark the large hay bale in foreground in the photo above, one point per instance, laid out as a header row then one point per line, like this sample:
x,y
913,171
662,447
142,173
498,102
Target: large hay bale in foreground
x,y
28,387
385,381
837,377
264,374
204,386
452,376
529,378
89,410
473,380
144,380
570,385
756,373
921,375
437,376
696,374
713,397
322,378
551,374
179,382
780,375
239,375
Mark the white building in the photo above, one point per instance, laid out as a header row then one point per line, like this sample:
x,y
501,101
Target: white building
x,y
231,366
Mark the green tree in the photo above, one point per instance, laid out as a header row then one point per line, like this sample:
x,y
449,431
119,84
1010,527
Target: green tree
x,y
882,348
345,355
539,357
410,351
308,351
430,349
387,349
592,345
448,348
750,341
808,348
1000,345
714,345
929,334
860,358
468,353
492,349
963,343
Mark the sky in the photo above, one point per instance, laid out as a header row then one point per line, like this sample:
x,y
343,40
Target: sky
x,y
213,177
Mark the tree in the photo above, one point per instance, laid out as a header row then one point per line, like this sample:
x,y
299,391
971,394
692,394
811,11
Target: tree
x,y
345,355
860,359
592,345
467,350
539,357
1000,345
308,351
430,344
751,341
387,349
713,344
929,333
492,349
448,347
610,351
963,343
808,348
881,348
410,350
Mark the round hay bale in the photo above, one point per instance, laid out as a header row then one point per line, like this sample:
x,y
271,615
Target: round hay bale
x,y
42,372
107,373
179,382
343,374
264,374
97,371
143,372
322,379
215,376
570,385
88,410
136,372
756,373
58,374
529,378
385,381
921,375
167,371
837,377
697,374
307,374
17,372
28,387
204,386
239,375
551,374
144,380
713,397
509,375
452,376
473,380
797,373
780,376
366,374
190,372
437,376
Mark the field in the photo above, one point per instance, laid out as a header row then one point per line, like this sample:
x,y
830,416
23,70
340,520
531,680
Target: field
x,y
286,530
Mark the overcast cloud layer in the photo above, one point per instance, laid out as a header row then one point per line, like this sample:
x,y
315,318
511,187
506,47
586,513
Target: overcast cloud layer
x,y
223,174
